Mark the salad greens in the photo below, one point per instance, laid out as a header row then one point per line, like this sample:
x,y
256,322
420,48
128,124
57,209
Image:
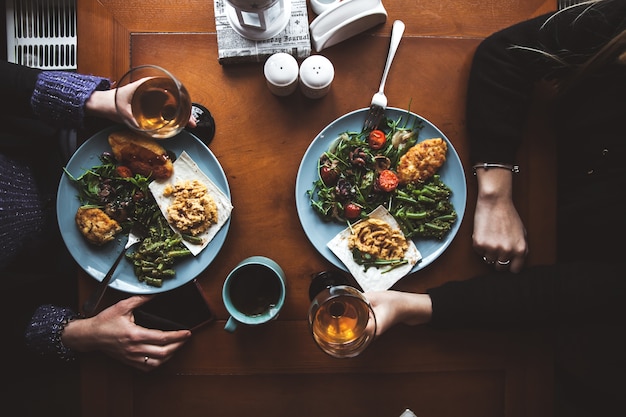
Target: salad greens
x,y
349,184
124,197
368,261
127,199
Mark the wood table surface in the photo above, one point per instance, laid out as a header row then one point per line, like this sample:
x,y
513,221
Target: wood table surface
x,y
276,369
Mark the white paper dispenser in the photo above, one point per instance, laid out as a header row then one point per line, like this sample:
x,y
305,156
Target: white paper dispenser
x,y
344,20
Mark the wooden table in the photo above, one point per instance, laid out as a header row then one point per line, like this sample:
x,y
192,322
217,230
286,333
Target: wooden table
x,y
277,370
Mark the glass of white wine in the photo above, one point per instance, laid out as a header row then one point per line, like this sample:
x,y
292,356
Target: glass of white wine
x,y
341,320
160,106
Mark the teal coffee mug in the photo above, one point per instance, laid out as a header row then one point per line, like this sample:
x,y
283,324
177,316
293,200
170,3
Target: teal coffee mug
x,y
253,292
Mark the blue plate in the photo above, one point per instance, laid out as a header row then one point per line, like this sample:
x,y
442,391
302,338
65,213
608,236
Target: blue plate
x,y
96,261
320,232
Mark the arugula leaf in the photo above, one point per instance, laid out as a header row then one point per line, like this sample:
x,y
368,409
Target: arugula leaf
x,y
368,261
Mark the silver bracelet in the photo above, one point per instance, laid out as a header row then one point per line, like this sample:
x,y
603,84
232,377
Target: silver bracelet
x,y
486,165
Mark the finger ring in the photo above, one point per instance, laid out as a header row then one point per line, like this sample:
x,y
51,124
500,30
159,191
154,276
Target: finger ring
x,y
508,261
487,261
145,359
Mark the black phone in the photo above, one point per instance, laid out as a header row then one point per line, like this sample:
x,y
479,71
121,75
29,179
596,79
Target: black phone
x,y
184,307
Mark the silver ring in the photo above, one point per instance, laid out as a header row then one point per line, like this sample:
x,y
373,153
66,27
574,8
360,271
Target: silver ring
x,y
145,359
487,261
508,261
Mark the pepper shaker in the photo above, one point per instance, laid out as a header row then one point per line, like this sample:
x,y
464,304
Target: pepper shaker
x,y
316,76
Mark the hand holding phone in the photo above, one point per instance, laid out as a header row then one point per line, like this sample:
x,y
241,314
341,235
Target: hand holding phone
x,y
184,307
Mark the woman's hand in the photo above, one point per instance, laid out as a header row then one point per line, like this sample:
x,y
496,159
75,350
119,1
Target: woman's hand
x,y
393,307
115,333
102,104
499,234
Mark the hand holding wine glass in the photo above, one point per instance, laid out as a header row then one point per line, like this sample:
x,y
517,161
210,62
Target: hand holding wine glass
x,y
341,319
150,100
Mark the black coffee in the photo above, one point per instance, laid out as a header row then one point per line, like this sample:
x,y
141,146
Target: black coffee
x,y
254,289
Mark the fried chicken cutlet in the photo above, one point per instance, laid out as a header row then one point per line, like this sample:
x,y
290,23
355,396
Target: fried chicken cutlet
x,y
96,226
422,161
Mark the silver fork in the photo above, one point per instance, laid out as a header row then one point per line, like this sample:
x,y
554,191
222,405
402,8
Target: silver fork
x,y
379,101
136,235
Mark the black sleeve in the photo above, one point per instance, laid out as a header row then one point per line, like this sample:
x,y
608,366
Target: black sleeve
x,y
508,64
541,295
18,82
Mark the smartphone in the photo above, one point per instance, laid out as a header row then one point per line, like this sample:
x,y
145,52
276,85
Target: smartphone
x,y
184,307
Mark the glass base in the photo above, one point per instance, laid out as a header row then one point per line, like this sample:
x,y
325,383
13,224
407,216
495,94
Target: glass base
x,y
205,124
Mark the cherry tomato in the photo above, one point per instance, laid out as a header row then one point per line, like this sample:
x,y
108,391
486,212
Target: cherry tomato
x,y
124,171
376,139
352,211
387,181
329,175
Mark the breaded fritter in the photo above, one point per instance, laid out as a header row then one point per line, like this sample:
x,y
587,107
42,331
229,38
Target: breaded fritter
x,y
422,161
97,227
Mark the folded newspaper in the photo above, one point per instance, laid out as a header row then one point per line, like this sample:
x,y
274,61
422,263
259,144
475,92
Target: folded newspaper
x,y
233,48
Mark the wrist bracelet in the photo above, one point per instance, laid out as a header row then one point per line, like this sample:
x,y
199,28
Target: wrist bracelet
x,y
486,165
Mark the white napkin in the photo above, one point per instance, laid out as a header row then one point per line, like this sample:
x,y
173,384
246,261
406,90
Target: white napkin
x,y
374,279
186,169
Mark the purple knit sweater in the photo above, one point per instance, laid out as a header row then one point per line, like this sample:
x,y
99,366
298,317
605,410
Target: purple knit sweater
x,y
58,99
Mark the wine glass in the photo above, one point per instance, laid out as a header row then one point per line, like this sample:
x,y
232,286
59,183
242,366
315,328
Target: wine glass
x,y
159,106
341,319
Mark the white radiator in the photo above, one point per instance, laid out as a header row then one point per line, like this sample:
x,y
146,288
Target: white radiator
x,y
562,4
42,33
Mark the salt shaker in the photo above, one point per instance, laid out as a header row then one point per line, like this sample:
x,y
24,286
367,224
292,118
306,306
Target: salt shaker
x,y
316,76
281,74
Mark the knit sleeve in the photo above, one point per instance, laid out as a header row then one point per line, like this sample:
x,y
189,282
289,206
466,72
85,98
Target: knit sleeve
x,y
59,97
43,333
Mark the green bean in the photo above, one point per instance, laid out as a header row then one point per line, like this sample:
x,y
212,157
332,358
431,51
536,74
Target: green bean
x,y
406,199
416,216
424,199
156,255
446,218
196,240
155,282
179,253
434,226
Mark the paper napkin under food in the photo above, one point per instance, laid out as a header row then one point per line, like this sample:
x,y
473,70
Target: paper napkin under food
x,y
374,279
186,169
